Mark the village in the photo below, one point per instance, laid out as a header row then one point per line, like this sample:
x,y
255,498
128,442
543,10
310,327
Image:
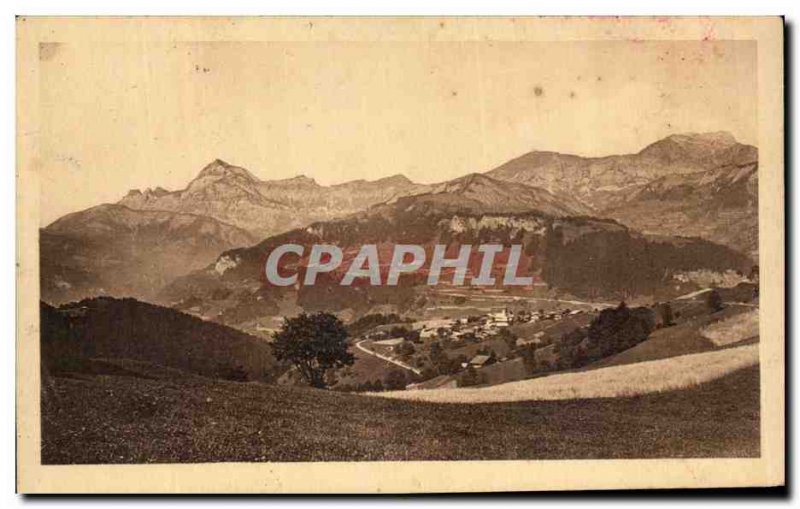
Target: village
x,y
449,351
471,329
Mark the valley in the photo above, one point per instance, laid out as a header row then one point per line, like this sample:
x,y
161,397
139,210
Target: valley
x,y
695,187
635,320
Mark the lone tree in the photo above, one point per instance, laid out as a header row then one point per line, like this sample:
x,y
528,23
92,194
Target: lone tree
x,y
313,344
714,301
666,315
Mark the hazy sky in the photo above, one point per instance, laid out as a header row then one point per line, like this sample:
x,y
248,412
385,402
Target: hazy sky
x,y
123,116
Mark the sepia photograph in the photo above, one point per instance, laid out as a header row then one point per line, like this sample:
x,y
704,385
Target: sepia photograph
x,y
400,244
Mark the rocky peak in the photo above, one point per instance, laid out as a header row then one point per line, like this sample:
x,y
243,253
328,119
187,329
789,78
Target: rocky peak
x,y
693,146
719,138
221,169
395,180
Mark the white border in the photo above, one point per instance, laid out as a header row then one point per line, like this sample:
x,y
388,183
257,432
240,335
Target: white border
x,y
342,7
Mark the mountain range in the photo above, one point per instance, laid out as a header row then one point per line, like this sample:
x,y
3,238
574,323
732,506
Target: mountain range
x,y
598,180
114,250
232,194
587,257
720,204
688,185
702,185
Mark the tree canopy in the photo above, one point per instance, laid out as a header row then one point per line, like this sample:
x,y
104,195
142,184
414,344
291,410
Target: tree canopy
x,y
313,343
714,300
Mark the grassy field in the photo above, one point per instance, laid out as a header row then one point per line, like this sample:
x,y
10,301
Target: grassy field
x,y
683,338
499,346
367,368
497,373
126,419
732,330
627,380
506,371
552,329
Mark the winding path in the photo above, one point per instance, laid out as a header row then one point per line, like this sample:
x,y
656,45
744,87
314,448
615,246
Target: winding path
x,y
387,359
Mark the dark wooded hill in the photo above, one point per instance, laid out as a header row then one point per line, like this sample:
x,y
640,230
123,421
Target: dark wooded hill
x,y
74,336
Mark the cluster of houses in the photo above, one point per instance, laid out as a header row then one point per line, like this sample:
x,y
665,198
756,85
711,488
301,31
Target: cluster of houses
x,y
473,328
392,340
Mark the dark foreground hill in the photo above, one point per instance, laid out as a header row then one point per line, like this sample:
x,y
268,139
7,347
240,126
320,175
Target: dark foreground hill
x,y
96,334
128,419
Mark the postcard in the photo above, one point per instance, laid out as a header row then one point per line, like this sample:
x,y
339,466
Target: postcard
x,y
399,255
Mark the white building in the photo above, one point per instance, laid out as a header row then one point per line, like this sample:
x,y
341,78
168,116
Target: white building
x,y
501,318
428,333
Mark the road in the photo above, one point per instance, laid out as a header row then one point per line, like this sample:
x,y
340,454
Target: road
x,y
704,290
387,359
693,294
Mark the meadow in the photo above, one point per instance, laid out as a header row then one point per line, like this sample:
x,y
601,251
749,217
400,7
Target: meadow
x,y
732,330
148,417
661,375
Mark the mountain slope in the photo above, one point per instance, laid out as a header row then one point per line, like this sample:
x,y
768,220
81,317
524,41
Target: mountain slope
x,y
257,423
685,184
702,185
340,199
221,191
480,193
114,250
589,257
720,205
76,336
595,180
150,238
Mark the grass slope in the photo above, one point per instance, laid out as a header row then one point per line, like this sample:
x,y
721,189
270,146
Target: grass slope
x,y
682,339
628,380
732,330
128,419
127,329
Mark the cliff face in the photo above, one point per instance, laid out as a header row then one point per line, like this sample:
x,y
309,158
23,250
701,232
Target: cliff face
x,y
584,256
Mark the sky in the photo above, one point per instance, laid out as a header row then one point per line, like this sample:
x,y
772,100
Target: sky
x,y
134,115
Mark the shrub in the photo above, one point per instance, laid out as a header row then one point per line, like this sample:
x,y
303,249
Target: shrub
x,y
406,348
395,380
615,330
666,315
714,301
